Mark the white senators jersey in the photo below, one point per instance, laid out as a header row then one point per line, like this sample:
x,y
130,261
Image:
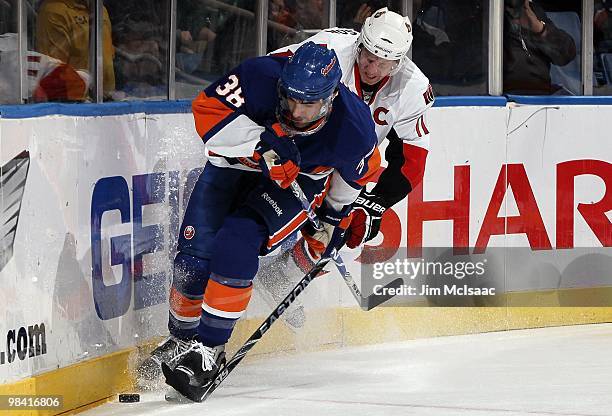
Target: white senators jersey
x,y
400,101
48,79
398,107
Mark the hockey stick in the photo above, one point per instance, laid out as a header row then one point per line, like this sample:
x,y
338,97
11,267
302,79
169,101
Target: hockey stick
x,y
263,328
366,303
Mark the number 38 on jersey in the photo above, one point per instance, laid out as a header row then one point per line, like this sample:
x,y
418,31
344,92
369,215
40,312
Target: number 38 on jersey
x,y
231,91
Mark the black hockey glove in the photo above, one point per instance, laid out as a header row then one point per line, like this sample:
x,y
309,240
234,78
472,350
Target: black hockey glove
x,y
367,216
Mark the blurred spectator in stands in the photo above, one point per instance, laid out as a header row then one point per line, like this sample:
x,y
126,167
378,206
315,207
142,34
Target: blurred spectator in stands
x,y
291,21
531,44
62,32
236,35
8,17
279,12
287,22
602,42
194,34
281,25
602,25
140,38
352,13
560,6
193,18
9,57
311,14
450,45
432,48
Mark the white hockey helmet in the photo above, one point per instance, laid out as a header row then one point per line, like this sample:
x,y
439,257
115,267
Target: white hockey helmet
x,y
387,35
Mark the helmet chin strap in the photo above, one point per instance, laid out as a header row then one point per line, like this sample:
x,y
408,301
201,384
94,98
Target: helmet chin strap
x,y
396,68
313,127
283,116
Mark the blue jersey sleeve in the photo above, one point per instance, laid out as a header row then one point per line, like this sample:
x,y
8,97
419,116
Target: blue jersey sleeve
x,y
357,152
231,113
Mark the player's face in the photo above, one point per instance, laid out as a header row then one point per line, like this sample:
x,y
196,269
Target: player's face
x,y
372,68
304,112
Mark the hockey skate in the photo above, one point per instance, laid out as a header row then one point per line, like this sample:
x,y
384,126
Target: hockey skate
x,y
192,371
149,372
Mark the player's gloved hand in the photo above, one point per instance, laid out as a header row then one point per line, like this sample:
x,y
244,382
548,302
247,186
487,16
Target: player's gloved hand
x,y
332,233
278,156
367,216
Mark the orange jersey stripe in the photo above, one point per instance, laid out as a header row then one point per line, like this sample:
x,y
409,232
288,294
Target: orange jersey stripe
x,y
183,306
373,165
287,229
320,169
225,298
300,218
208,112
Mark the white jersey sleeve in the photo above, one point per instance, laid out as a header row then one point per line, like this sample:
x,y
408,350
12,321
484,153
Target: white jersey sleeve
x,y
341,40
416,98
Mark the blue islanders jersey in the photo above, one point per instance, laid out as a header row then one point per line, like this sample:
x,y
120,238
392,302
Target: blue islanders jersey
x,y
231,114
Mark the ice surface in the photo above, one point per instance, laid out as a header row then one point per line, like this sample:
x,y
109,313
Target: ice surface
x,y
548,372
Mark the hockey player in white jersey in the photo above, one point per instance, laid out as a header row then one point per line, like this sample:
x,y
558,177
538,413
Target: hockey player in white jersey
x,y
376,67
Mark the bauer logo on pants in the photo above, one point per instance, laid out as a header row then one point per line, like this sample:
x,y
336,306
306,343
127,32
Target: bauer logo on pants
x,y
189,232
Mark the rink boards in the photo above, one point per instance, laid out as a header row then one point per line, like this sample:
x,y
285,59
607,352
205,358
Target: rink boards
x,y
91,206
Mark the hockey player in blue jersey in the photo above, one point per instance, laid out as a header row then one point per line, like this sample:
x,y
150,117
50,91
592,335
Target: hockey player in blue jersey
x,y
268,122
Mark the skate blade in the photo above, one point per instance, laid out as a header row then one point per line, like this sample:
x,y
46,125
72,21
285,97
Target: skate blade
x,y
173,396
